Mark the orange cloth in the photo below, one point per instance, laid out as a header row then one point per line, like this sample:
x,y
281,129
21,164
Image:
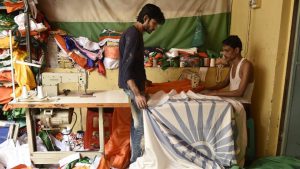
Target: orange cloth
x,y
82,62
5,76
111,37
7,107
117,149
178,85
112,52
13,6
5,95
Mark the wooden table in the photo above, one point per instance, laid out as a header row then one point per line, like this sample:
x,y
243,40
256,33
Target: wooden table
x,y
113,98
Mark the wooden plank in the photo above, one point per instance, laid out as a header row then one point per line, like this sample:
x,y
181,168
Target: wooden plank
x,y
52,157
29,131
68,105
101,131
114,98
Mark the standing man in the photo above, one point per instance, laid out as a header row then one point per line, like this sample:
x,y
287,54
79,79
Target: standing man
x,y
240,77
132,75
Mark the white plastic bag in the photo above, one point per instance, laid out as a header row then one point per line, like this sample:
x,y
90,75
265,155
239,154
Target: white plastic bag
x,y
12,154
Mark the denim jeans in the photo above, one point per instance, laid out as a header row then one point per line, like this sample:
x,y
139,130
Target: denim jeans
x,y
136,130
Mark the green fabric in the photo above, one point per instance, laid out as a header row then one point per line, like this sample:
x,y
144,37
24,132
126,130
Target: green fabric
x,y
84,160
235,167
212,54
279,162
7,22
17,113
46,140
175,33
172,62
250,151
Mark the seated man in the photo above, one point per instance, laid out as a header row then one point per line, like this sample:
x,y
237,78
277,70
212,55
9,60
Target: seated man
x,y
240,77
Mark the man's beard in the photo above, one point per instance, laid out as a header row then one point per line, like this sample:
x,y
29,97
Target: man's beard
x,y
147,29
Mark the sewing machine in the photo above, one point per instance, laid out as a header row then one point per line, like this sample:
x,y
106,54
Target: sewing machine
x,y
51,81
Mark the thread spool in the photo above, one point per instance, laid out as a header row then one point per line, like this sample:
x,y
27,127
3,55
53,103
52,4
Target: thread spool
x,y
212,62
181,64
154,62
206,62
40,93
24,92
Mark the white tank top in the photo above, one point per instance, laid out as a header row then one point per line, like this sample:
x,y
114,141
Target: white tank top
x,y
235,83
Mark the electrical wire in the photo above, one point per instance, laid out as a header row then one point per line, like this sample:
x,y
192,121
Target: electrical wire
x,y
248,31
231,6
81,124
72,126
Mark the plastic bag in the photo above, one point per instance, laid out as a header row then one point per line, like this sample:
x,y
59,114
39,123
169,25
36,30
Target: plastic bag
x,y
12,154
199,35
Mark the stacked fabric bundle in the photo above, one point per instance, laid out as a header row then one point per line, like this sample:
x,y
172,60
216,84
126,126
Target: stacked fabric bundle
x,y
14,20
109,40
82,51
4,60
153,56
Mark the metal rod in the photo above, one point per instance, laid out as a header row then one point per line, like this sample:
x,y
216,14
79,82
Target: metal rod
x,y
28,64
12,65
27,28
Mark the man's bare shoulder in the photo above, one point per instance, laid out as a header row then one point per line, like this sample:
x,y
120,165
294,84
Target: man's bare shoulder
x,y
248,69
247,64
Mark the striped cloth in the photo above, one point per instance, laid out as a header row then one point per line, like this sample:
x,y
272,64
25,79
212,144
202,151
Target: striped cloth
x,y
198,131
189,130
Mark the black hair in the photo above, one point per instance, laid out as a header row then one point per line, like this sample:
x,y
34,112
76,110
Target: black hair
x,y
153,12
233,41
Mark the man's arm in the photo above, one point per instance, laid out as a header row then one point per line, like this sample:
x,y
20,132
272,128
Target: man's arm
x,y
247,74
221,85
139,98
128,74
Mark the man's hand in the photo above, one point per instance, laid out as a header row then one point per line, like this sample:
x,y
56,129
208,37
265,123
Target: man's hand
x,y
141,101
212,93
